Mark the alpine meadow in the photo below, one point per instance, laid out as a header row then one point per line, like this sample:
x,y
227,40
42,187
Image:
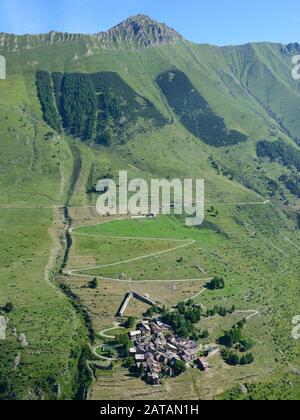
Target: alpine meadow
x,y
142,306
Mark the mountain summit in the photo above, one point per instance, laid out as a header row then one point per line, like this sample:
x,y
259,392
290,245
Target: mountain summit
x,y
136,32
140,31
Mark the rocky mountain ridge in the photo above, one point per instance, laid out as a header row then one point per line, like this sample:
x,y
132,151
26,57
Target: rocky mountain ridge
x,y
136,32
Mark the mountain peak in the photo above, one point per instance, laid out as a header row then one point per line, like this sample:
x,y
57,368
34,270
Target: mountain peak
x,y
141,31
140,18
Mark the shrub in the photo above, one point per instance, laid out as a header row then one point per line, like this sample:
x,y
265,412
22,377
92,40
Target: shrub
x,y
179,367
93,284
130,322
217,283
8,307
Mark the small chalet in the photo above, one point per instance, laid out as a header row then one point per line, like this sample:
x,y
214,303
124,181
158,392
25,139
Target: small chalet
x,y
144,328
134,335
202,364
139,358
153,379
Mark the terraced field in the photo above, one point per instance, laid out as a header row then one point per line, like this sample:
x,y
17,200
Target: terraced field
x,y
243,253
131,253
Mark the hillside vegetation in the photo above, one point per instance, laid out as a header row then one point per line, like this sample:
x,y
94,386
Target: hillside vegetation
x,y
99,107
193,111
77,108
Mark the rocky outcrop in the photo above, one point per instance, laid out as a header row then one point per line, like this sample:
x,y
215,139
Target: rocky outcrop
x,y
3,327
136,32
139,32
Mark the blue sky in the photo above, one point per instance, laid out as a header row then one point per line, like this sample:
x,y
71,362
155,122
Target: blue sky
x,y
219,22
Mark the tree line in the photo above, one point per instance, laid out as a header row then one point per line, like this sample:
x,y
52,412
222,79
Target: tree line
x,y
234,342
279,151
183,319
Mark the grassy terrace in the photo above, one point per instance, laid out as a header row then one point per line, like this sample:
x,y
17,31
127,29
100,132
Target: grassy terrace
x,y
240,245
161,249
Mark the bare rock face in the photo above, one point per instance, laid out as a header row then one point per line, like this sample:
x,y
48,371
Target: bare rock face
x,y
17,361
3,327
23,340
140,32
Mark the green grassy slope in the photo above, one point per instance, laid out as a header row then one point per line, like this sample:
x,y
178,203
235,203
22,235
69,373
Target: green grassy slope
x,y
259,261
35,177
47,366
250,87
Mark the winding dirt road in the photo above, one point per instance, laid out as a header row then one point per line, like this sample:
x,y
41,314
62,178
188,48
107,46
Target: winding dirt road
x,y
186,243
183,244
